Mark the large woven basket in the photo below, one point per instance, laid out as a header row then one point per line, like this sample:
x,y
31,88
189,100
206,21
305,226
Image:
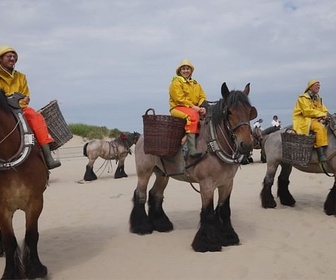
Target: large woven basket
x,y
296,149
57,126
162,134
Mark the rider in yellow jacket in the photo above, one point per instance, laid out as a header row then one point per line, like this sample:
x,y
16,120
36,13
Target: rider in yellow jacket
x,y
187,101
308,114
12,81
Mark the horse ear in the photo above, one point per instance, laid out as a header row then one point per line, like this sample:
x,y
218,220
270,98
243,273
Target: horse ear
x,y
247,89
253,113
225,90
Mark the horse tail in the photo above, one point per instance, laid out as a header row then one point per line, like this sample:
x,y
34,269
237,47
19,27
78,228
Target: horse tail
x,y
84,150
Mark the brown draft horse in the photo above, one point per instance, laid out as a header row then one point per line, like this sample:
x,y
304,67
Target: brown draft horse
x,y
22,184
225,138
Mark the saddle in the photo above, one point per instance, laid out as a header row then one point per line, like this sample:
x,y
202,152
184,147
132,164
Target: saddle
x,y
27,137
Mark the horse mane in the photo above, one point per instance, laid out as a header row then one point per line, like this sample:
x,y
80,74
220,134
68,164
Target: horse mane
x,y
129,137
219,110
3,102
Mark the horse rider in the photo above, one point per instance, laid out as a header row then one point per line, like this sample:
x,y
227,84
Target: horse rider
x,y
187,100
309,114
12,81
258,123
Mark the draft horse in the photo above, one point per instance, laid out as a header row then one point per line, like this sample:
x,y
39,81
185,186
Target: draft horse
x,y
23,179
273,151
225,139
117,149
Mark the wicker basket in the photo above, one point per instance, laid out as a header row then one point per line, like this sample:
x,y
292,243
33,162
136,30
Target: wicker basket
x,y
57,126
162,134
296,149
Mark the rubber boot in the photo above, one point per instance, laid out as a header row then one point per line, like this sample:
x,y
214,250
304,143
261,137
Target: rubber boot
x,y
50,161
191,140
320,154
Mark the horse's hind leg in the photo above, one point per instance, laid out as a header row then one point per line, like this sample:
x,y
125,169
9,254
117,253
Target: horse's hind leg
x,y
120,172
330,203
34,267
228,235
89,174
283,182
157,216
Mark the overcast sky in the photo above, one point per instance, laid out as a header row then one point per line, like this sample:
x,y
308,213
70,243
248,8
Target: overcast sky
x,y
108,61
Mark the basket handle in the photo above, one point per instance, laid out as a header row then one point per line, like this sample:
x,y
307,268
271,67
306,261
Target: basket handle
x,y
290,130
150,109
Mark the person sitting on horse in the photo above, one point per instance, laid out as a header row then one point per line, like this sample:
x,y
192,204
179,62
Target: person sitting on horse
x,y
276,122
12,81
258,123
308,115
187,100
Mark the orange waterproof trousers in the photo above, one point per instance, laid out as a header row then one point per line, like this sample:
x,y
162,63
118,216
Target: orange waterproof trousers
x,y
192,117
321,134
38,125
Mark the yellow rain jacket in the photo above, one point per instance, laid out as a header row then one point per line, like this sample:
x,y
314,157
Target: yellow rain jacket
x,y
305,110
187,93
15,82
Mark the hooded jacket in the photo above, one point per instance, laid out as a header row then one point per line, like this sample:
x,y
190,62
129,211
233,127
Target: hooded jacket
x,y
14,82
306,109
187,93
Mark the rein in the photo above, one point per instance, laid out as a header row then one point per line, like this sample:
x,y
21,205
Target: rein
x,y
215,146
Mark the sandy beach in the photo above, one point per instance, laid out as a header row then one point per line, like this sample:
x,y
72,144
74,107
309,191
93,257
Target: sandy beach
x,y
84,230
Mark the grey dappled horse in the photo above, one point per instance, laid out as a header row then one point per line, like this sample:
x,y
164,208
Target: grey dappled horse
x,y
225,138
117,149
273,150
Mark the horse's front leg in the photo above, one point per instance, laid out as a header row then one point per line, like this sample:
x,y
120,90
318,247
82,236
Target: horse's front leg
x,y
156,214
223,211
120,171
13,266
207,237
1,246
33,266
330,203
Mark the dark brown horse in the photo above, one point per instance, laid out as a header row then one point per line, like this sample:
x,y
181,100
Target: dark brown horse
x,y
225,138
23,179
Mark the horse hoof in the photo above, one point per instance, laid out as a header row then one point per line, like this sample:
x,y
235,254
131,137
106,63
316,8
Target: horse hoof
x,y
40,272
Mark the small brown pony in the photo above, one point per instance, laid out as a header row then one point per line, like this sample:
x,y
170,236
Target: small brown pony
x,y
225,138
117,149
21,187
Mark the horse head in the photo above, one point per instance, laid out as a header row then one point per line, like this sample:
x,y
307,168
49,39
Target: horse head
x,y
257,138
233,113
136,136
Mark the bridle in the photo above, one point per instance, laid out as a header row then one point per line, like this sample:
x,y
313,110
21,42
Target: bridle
x,y
235,157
